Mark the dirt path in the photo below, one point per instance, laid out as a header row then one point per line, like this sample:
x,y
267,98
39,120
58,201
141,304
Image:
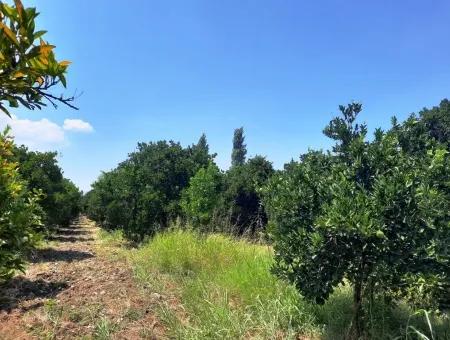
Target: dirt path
x,y
72,290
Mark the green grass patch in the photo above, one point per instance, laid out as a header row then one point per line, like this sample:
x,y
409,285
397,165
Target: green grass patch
x,y
226,291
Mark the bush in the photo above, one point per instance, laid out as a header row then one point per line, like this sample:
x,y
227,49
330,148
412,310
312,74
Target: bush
x,y
370,214
20,214
200,199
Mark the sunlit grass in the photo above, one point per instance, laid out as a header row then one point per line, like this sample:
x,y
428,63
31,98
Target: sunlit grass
x,y
226,290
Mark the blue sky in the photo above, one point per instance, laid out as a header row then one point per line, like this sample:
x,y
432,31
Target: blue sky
x,y
153,70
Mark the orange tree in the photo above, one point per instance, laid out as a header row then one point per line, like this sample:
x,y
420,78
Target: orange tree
x,y
20,213
28,66
370,214
201,198
28,72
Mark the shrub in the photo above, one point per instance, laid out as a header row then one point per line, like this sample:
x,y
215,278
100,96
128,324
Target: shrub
x,y
371,214
20,213
201,198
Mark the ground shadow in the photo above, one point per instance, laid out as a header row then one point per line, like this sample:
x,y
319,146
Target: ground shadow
x,y
21,289
70,239
78,223
55,255
73,231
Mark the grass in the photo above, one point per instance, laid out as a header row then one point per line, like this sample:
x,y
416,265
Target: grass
x,y
104,329
222,288
56,315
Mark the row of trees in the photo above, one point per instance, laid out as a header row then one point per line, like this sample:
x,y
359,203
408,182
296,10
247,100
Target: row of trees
x,y
374,213
161,182
20,214
34,199
60,198
34,195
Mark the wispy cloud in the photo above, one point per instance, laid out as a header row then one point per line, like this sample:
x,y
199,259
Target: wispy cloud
x,y
42,134
77,125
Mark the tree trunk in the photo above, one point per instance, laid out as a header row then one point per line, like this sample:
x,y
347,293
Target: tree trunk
x,y
357,328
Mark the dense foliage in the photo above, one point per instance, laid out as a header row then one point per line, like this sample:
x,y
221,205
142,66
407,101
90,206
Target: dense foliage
x,y
20,213
242,197
163,181
372,212
375,214
142,195
60,197
34,198
201,199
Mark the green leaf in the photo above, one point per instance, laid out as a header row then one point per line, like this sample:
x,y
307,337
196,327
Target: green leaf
x,y
39,34
63,80
12,101
5,110
8,10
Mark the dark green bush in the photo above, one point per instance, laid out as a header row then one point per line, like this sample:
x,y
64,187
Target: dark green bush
x,y
241,202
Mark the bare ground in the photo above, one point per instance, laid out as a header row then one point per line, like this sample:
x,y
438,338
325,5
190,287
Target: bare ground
x,y
73,290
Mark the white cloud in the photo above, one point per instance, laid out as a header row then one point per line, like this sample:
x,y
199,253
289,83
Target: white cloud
x,y
41,135
77,125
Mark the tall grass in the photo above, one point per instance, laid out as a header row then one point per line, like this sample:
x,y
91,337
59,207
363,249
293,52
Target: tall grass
x,y
225,287
226,291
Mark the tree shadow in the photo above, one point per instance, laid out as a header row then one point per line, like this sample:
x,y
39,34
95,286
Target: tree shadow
x,y
55,255
77,225
71,231
20,289
70,239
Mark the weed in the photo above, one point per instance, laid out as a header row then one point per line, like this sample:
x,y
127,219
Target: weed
x,y
133,314
104,329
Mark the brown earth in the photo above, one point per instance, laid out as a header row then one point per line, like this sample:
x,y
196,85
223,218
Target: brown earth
x,y
74,290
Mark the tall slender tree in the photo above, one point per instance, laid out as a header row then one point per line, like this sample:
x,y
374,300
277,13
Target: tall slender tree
x,y
202,143
200,153
239,148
